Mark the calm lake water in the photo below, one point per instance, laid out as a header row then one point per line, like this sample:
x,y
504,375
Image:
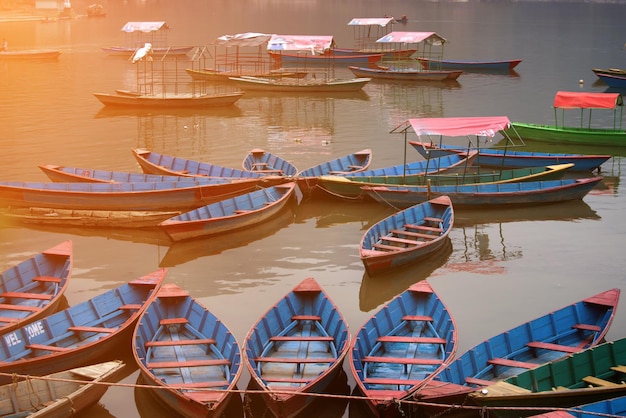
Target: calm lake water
x,y
504,267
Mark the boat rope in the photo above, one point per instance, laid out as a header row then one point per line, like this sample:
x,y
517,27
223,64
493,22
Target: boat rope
x,y
32,393
446,408
359,196
382,199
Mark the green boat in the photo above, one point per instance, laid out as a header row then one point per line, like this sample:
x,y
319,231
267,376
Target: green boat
x,y
349,187
590,375
584,133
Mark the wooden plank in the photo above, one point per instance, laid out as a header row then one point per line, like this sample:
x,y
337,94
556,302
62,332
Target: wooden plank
x,y
46,347
512,363
620,369
9,320
413,234
10,307
179,343
173,321
130,307
295,360
401,240
190,363
417,318
25,295
477,382
596,381
423,228
409,339
200,385
383,381
302,338
92,329
306,318
47,279
401,360
302,380
587,327
553,347
435,220
388,247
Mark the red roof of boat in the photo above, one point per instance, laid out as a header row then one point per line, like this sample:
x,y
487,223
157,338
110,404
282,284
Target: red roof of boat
x,y
480,126
585,100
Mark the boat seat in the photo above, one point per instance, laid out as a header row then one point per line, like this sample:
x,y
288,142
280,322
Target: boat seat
x,y
413,234
596,381
401,240
47,279
433,220
587,327
130,307
417,318
553,347
383,381
302,338
619,369
201,385
255,165
9,320
173,321
409,339
295,360
302,380
424,228
10,307
179,343
25,295
511,363
477,382
401,360
92,329
46,347
189,363
306,318
387,247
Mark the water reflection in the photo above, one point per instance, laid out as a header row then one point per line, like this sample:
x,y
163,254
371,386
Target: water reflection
x,y
383,287
328,212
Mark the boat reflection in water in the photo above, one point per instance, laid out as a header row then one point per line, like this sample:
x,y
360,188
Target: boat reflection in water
x,y
333,406
328,212
377,290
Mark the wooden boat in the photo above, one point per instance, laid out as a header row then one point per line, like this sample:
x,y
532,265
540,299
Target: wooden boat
x,y
86,218
154,163
230,214
187,354
405,74
612,407
169,100
79,335
507,158
61,394
613,80
594,374
61,174
296,348
507,194
351,186
33,289
347,164
562,133
30,54
335,56
300,85
550,337
481,66
401,347
224,76
259,160
367,31
407,236
126,51
138,33
610,71
152,196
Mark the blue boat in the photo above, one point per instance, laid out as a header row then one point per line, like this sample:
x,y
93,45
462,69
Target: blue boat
x,y
614,407
296,348
407,236
34,288
550,337
261,161
187,353
443,164
510,159
347,164
231,214
401,347
506,194
478,66
613,80
80,335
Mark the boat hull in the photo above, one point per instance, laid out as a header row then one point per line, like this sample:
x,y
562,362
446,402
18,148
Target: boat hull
x,y
343,56
34,54
259,160
348,164
300,86
613,80
408,75
390,243
502,65
169,100
156,51
550,133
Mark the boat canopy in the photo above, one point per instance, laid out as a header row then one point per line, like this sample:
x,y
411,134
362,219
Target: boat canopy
x,y
430,38
479,126
244,39
305,43
131,27
584,100
374,21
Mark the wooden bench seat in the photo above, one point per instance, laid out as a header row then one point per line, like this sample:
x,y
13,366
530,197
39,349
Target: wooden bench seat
x,y
301,380
477,382
47,279
553,347
46,347
387,247
200,385
413,234
306,318
619,369
417,318
179,343
384,381
401,360
7,320
189,363
25,295
302,338
409,339
295,360
587,327
130,307
401,240
596,381
173,321
259,165
433,220
511,363
424,228
92,329
28,308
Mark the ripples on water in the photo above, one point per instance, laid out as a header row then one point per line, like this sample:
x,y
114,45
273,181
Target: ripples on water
x,y
502,267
